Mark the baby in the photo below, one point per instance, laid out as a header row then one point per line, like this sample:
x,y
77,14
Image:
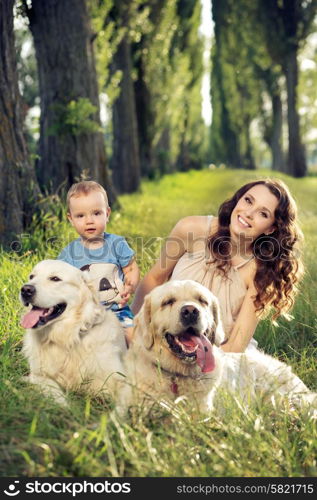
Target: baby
x,y
108,257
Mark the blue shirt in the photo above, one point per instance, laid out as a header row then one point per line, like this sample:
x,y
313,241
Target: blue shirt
x,y
115,250
104,265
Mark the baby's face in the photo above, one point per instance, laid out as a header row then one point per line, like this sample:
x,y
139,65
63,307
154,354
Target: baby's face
x,y
89,215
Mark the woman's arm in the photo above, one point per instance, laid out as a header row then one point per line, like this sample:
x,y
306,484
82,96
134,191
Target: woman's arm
x,y
178,242
245,324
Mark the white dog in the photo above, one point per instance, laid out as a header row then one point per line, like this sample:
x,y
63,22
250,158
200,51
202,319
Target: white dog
x,y
72,342
176,353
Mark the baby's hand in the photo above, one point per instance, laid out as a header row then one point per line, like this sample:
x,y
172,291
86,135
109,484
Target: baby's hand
x,y
126,294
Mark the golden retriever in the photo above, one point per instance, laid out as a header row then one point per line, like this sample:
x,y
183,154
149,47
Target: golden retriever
x,y
72,342
176,352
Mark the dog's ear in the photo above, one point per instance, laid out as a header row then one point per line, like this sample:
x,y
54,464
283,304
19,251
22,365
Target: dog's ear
x,y
143,327
217,328
85,274
91,310
89,283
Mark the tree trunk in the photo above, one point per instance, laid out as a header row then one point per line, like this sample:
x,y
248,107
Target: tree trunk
x,y
18,187
248,160
276,138
125,160
227,141
145,120
273,124
296,165
224,140
162,150
66,67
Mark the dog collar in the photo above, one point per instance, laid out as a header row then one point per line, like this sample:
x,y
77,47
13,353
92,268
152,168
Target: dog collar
x,y
173,376
174,387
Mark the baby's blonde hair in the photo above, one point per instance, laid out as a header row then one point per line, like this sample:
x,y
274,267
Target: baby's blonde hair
x,y
84,188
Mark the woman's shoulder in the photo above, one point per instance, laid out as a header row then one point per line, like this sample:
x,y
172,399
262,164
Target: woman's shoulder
x,y
199,225
194,230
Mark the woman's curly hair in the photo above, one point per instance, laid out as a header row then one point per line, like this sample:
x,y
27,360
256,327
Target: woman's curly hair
x,y
278,262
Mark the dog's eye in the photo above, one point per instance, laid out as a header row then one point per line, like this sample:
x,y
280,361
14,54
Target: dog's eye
x,y
31,276
202,301
168,302
55,278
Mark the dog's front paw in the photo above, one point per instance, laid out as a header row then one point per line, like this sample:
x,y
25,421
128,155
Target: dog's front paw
x,y
61,400
49,388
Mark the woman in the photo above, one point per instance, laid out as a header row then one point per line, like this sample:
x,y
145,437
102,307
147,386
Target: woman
x,y
246,256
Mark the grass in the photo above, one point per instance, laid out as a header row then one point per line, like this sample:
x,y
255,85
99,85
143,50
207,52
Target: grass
x,y
37,438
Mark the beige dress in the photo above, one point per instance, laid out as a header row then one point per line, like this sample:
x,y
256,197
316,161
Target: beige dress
x,y
229,290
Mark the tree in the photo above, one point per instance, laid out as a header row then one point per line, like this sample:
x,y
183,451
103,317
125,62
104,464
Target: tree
x,y
151,11
267,75
287,24
224,140
307,99
168,62
235,91
188,56
28,80
18,186
125,158
71,141
272,122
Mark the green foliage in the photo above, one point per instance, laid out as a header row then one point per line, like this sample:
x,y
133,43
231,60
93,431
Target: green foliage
x,y
236,94
252,39
75,118
38,438
108,38
287,25
172,57
307,99
167,57
252,43
110,30
26,62
28,78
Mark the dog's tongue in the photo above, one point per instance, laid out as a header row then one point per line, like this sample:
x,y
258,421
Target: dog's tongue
x,y
205,358
32,317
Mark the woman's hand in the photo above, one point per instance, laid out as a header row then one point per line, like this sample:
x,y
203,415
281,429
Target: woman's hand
x,y
245,325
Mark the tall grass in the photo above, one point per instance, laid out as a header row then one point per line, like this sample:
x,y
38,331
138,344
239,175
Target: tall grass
x,y
38,438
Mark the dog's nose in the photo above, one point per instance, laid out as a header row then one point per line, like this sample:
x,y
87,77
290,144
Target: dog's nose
x,y
27,291
189,315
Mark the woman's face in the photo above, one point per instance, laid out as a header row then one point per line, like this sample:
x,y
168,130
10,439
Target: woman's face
x,y
254,214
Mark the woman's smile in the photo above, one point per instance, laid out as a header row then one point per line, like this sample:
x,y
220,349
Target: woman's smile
x,y
243,222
